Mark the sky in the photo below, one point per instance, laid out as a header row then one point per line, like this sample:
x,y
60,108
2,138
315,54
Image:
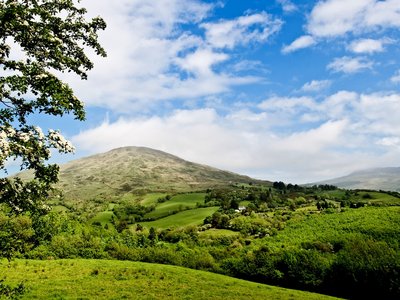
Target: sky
x,y
298,91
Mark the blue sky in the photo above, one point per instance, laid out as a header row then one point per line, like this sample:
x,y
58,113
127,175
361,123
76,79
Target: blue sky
x,y
297,91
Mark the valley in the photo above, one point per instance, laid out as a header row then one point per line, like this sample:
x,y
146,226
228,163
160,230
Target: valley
x,y
319,238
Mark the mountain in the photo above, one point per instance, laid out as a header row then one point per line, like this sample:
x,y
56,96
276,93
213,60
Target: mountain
x,y
138,170
387,179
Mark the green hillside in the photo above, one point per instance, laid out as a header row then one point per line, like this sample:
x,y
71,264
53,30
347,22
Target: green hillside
x,y
105,279
133,169
387,179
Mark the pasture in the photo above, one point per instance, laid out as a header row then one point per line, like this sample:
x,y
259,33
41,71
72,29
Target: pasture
x,y
105,279
185,218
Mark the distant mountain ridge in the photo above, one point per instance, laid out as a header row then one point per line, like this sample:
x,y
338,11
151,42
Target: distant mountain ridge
x,y
138,169
387,179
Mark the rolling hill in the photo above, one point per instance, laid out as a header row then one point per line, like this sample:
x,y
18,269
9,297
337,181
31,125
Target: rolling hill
x,y
138,170
111,279
387,179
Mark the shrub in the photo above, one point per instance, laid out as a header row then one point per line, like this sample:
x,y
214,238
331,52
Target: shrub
x,y
366,269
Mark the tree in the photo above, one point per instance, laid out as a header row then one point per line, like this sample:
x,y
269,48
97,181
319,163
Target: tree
x,y
39,39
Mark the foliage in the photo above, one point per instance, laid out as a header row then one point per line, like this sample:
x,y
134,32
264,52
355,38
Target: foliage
x,y
11,292
47,37
370,267
15,235
132,213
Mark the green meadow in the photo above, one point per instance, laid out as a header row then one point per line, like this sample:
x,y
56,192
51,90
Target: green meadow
x,y
176,203
184,218
111,279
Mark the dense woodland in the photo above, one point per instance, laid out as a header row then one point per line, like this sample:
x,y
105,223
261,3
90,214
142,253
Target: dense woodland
x,y
323,239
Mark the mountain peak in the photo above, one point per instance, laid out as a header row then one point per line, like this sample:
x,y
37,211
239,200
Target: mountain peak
x,y
139,169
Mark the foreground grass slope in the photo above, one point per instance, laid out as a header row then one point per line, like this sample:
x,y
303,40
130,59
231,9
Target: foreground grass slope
x,y
103,279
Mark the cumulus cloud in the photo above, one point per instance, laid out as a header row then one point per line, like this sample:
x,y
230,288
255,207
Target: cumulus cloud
x,y
153,58
343,19
368,46
316,85
337,17
350,65
201,61
302,42
241,31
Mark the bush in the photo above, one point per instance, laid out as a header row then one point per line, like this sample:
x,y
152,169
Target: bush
x,y
303,268
10,291
366,269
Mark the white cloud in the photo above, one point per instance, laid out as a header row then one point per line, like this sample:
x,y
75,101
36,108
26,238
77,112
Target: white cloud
x,y
201,61
396,77
241,31
342,18
368,45
302,42
349,65
383,14
339,105
337,17
376,110
286,103
287,6
316,85
152,59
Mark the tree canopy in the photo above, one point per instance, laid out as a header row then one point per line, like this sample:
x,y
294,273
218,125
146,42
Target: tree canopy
x,y
38,40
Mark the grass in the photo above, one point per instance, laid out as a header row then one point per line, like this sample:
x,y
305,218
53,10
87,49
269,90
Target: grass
x,y
103,217
150,199
176,203
184,218
102,279
58,208
380,198
379,223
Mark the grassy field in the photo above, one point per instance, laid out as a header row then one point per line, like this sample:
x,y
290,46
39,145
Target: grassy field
x,y
373,222
150,199
103,217
379,198
184,218
102,279
177,202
